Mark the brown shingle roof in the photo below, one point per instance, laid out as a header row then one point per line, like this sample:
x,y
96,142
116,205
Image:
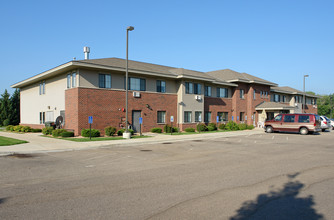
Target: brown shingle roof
x,y
273,105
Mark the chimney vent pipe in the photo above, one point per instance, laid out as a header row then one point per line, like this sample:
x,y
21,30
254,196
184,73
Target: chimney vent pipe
x,y
86,51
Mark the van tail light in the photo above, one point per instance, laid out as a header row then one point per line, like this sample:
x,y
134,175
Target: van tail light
x,y
315,124
325,122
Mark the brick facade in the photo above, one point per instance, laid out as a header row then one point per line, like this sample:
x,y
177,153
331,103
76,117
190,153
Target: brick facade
x,y
215,105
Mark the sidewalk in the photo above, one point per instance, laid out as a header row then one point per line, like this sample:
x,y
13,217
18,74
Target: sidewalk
x,y
38,144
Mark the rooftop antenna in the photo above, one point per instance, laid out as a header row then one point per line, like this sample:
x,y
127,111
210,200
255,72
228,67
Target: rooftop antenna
x,y
86,51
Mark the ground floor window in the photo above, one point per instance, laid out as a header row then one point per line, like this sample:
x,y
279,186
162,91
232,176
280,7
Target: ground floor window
x,y
223,116
187,117
242,116
42,117
207,117
198,116
161,117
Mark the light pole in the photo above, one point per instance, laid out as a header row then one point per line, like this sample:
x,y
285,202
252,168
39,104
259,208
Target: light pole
x,y
303,106
126,134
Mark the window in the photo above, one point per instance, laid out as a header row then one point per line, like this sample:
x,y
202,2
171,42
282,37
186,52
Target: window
x,y
207,117
222,92
161,117
68,80
198,116
207,91
242,93
278,118
223,116
289,118
137,84
314,101
284,98
261,93
304,118
74,80
187,117
277,98
105,81
189,88
266,95
161,86
254,94
42,117
242,116
42,88
197,88
49,116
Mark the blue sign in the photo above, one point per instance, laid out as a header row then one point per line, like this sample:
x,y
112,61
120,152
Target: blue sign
x,y
218,118
237,118
232,118
246,117
90,119
171,118
140,120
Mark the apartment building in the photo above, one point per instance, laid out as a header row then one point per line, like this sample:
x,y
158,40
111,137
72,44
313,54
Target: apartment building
x,y
82,88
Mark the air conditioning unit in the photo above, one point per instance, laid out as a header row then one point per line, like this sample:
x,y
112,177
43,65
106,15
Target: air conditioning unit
x,y
136,94
198,97
314,106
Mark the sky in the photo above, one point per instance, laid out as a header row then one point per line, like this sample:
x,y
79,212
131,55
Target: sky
x,y
277,40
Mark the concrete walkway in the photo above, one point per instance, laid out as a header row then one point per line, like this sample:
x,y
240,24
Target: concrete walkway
x,y
39,144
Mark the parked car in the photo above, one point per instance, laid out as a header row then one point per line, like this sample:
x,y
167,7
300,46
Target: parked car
x,y
325,123
301,123
332,122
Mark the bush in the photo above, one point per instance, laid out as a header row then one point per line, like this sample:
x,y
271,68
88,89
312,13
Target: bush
x,y
47,130
232,126
109,131
120,132
18,128
201,127
169,129
67,134
36,130
6,122
175,129
58,132
156,130
9,128
213,126
85,133
26,129
190,129
250,127
242,126
222,126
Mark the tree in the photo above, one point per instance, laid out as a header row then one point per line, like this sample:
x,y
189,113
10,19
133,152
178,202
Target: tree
x,y
4,107
325,105
15,108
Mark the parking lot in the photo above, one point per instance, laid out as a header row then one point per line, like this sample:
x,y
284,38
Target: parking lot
x,y
262,176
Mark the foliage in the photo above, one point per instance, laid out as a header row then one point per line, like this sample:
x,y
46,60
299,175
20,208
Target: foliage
x,y
231,126
4,107
222,126
10,108
47,130
10,128
26,129
250,127
175,129
67,134
156,130
201,127
190,129
86,132
110,131
6,122
325,105
169,129
58,132
18,128
213,126
36,130
120,132
242,126
15,108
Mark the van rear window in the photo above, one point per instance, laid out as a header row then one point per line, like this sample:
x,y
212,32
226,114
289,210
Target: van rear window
x,y
289,118
304,118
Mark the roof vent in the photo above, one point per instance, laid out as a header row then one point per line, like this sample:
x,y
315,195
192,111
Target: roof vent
x,y
86,51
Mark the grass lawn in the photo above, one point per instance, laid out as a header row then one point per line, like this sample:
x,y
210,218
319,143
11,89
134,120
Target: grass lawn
x,y
5,141
203,132
86,139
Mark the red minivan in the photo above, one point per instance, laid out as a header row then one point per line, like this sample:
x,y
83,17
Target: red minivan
x,y
301,123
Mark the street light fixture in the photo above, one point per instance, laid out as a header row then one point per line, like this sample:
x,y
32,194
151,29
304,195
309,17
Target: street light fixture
x,y
127,134
303,106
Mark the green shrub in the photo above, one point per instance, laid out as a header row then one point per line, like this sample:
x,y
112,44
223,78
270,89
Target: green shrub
x,y
109,131
67,134
36,130
232,126
47,130
242,126
26,129
175,129
9,127
213,125
6,122
169,129
58,132
222,126
201,127
18,128
120,132
250,127
85,133
190,129
156,130
211,128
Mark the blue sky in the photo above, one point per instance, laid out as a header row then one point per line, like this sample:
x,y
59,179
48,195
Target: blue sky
x,y
279,41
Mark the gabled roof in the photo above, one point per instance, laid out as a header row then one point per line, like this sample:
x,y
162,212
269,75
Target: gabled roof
x,y
233,76
291,91
273,106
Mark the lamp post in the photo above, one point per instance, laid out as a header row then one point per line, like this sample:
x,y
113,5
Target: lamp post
x,y
126,134
303,106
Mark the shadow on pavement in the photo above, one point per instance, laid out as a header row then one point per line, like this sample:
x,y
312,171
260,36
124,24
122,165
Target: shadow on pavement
x,y
280,205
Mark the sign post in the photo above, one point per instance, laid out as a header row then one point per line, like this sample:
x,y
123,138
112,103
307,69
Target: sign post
x,y
140,122
90,121
171,124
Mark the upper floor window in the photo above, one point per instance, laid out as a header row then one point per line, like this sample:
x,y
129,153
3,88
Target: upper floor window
x,y
74,80
261,93
314,101
161,86
284,98
105,81
137,84
222,92
42,88
277,98
197,88
242,93
189,88
68,80
254,94
266,94
207,91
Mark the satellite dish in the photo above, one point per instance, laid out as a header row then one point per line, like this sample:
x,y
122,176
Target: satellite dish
x,y
59,122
